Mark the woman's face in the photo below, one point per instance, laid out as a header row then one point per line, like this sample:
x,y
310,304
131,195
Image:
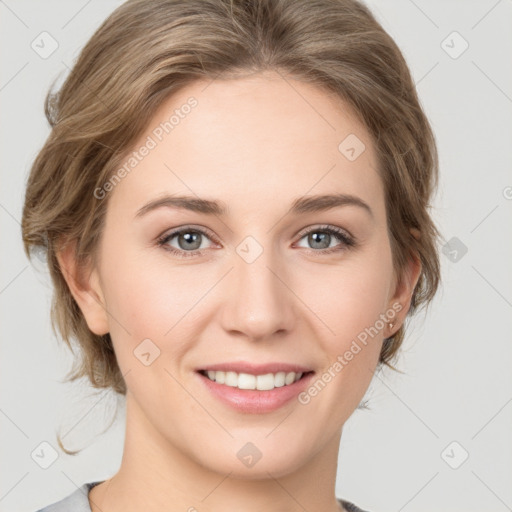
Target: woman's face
x,y
257,279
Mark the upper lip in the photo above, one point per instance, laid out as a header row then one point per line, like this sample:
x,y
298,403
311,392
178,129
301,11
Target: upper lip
x,y
256,369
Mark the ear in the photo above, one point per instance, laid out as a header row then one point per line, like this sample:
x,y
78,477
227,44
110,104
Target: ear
x,y
404,287
84,285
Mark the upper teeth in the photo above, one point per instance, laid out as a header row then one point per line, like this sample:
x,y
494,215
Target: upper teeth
x,y
261,382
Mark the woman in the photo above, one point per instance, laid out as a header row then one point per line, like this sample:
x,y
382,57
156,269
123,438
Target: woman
x,y
234,203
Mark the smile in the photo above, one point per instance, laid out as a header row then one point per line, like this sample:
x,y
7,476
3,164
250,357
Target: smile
x,y
264,382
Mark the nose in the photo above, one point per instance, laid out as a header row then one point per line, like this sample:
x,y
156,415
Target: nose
x,y
258,303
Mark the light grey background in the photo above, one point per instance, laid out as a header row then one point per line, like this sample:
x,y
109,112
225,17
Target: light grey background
x,y
458,382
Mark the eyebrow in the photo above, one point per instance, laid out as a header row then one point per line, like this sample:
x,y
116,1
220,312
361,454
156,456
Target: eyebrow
x,y
301,205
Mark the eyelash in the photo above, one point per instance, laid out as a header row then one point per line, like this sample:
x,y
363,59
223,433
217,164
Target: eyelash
x,y
347,240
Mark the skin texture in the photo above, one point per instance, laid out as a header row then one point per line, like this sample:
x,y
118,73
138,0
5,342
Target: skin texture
x,y
256,144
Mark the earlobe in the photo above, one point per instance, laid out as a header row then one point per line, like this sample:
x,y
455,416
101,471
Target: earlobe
x,y
84,285
404,288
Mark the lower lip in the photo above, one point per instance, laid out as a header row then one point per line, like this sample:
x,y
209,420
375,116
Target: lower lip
x,y
254,401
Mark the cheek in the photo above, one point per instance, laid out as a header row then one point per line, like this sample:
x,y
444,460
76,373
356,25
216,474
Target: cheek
x,y
151,301
149,327
151,296
354,298
350,302
350,296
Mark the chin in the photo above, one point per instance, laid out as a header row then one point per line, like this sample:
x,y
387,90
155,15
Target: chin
x,y
254,461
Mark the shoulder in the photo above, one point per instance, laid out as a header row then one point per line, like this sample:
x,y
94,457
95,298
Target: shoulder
x,y
350,507
77,501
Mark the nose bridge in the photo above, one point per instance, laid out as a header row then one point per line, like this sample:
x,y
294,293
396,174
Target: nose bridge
x,y
260,302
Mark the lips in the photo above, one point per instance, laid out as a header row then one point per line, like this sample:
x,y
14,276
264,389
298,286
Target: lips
x,y
252,401
255,369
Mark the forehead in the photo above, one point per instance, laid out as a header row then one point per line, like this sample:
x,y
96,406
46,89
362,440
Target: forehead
x,y
253,141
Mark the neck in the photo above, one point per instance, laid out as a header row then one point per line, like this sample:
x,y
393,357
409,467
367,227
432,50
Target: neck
x,y
157,474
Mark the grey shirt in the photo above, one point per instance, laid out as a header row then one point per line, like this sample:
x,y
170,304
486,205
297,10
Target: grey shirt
x,y
78,501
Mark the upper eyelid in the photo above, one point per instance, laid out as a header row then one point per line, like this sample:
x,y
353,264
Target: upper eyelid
x,y
191,227
323,227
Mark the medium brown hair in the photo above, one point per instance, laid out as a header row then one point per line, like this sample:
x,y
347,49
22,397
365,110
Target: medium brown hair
x,y
147,50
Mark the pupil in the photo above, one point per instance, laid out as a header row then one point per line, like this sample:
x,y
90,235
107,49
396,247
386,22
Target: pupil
x,y
322,237
190,239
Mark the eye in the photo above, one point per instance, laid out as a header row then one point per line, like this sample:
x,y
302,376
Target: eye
x,y
188,240
320,237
